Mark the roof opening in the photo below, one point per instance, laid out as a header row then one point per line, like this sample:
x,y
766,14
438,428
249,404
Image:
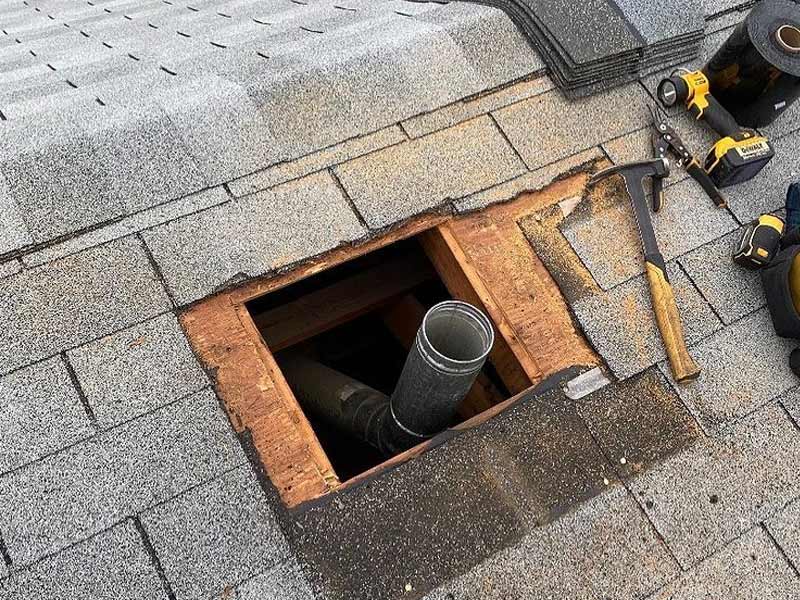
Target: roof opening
x,y
360,319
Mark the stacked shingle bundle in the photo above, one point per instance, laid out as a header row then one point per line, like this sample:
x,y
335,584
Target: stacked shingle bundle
x,y
591,45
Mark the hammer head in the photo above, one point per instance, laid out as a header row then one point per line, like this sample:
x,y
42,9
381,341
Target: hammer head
x,y
656,167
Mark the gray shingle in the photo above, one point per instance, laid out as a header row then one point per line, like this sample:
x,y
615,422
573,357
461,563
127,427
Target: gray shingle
x,y
40,412
605,549
490,41
252,235
607,240
216,535
146,162
791,401
464,110
750,567
315,162
400,181
9,268
639,422
54,176
528,182
144,219
226,143
731,290
13,231
785,528
744,366
767,191
571,126
76,299
621,325
284,582
88,487
112,564
137,370
711,493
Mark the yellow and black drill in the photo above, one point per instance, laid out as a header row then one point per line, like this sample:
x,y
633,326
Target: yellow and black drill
x,y
740,153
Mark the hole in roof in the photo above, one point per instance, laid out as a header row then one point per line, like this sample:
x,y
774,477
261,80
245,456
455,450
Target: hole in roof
x,y
360,318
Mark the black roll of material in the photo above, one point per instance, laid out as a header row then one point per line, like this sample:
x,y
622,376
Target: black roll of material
x,y
756,72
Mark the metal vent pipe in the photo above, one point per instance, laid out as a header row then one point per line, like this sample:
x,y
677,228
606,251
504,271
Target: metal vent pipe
x,y
449,351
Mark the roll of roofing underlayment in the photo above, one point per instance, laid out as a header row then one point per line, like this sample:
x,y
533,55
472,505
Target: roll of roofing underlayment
x,y
756,72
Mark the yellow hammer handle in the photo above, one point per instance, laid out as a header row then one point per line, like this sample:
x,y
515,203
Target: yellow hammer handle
x,y
669,324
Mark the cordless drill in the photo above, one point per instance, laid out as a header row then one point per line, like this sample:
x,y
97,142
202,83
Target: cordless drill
x,y
740,153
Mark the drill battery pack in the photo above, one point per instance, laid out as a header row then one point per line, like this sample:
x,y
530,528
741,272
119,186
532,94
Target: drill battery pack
x,y
738,158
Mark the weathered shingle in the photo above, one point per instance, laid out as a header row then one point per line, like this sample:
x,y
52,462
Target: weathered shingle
x,y
315,162
137,370
608,241
622,327
605,549
73,300
68,496
529,182
571,126
732,290
743,367
750,567
252,235
40,412
785,528
716,490
215,535
112,564
400,181
283,582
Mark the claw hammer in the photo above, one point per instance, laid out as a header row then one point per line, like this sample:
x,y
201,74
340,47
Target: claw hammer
x,y
668,319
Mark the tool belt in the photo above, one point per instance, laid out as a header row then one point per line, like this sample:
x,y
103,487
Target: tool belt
x,y
777,279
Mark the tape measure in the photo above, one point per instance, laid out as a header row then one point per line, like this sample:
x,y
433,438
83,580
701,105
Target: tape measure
x,y
759,242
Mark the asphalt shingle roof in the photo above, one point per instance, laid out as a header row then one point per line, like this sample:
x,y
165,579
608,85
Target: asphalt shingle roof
x,y
155,152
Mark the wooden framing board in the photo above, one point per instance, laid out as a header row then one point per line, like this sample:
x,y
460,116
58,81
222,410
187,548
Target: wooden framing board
x,y
483,258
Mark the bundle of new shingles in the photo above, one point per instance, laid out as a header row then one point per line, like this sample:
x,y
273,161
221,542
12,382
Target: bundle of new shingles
x,y
591,45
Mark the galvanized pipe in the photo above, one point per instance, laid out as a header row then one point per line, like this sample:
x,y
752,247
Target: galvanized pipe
x,y
449,351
